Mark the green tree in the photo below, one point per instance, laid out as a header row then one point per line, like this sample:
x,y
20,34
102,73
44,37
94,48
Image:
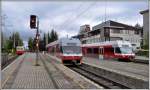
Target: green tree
x,y
44,40
2,41
16,39
137,25
30,43
53,35
56,36
8,46
49,37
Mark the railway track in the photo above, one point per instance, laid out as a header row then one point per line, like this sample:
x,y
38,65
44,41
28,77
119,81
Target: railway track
x,y
106,83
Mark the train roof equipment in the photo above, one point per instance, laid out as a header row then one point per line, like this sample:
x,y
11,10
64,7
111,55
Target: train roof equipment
x,y
65,42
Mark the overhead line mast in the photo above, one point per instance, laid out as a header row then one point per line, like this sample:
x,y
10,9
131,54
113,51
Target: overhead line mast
x,y
105,9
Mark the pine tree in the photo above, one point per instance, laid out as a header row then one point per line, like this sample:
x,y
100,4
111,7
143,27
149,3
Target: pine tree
x,y
30,43
44,40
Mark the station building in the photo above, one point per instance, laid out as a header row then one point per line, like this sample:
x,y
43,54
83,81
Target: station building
x,y
111,31
145,14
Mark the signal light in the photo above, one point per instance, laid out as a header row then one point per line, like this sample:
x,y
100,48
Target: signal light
x,y
32,21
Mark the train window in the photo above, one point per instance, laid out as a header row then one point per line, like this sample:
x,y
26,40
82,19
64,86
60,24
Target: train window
x,y
71,49
117,50
95,50
89,50
99,50
112,50
61,49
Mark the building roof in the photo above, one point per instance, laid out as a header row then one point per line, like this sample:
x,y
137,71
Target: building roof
x,y
112,24
145,11
126,27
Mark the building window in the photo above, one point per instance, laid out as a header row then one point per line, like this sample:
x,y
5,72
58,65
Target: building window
x,y
116,31
133,44
84,42
136,32
127,32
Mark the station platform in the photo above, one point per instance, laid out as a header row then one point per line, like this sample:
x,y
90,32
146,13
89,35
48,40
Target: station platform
x,y
23,74
137,70
142,59
131,74
134,75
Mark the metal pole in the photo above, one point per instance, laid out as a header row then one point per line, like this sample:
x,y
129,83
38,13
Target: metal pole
x,y
14,40
37,43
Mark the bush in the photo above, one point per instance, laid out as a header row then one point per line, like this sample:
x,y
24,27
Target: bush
x,y
143,53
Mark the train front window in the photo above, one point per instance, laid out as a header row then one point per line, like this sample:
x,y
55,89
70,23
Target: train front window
x,y
126,50
71,49
117,50
123,50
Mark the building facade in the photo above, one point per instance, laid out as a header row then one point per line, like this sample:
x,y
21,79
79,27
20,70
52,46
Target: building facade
x,y
111,31
145,14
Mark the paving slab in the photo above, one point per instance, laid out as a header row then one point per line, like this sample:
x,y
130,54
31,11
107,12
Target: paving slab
x,y
30,76
23,74
79,79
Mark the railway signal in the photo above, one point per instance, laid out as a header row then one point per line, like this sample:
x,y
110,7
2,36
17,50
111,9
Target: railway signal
x,y
32,21
35,25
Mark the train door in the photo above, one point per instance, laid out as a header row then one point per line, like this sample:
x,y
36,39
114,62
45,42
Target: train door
x,y
84,50
108,52
101,51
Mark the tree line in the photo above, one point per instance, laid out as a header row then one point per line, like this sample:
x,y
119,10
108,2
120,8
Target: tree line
x,y
9,44
47,38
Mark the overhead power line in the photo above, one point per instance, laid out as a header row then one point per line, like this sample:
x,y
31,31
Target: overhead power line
x,y
81,13
66,21
84,11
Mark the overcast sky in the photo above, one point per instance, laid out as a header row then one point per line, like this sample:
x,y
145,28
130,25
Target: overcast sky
x,y
66,17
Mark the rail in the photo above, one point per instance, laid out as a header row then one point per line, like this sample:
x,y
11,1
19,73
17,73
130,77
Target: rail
x,y
106,83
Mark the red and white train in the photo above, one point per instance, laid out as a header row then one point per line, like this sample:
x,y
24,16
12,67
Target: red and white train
x,y
110,50
20,50
68,49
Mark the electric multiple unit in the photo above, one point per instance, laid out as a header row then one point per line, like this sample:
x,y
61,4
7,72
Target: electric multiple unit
x,y
20,50
68,49
110,50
